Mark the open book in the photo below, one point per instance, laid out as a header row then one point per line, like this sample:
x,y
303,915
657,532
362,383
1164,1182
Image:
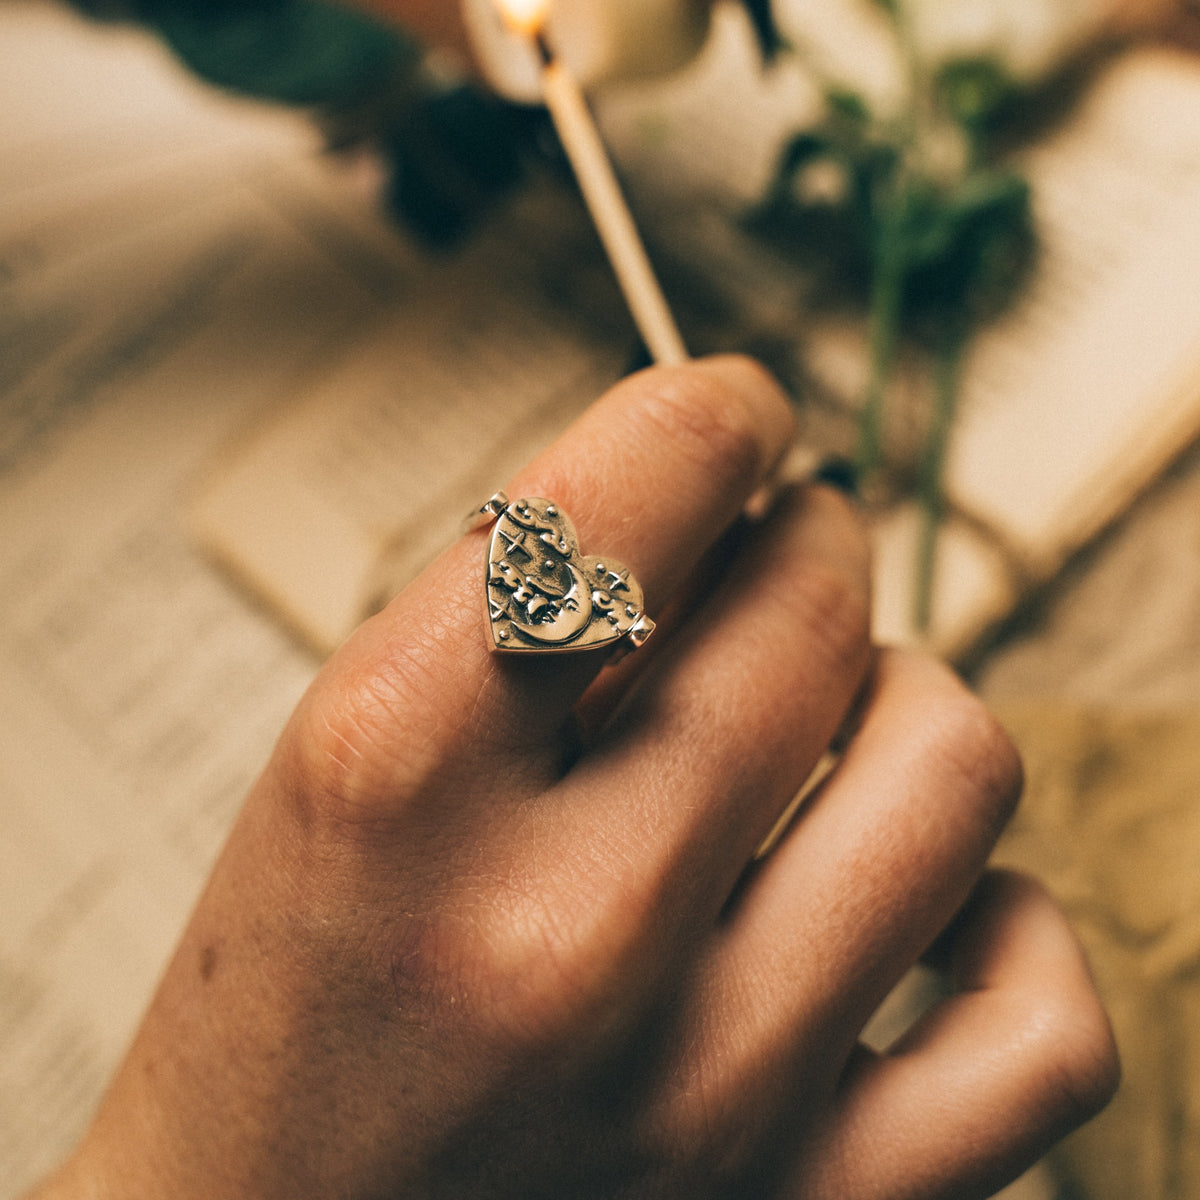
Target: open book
x,y
1071,404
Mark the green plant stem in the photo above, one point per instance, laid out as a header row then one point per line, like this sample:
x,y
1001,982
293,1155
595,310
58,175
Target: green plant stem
x,y
887,295
947,375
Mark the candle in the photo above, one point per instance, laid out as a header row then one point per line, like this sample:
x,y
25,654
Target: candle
x,y
598,182
598,40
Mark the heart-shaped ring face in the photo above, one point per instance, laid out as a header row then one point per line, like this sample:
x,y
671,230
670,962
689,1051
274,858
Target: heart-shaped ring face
x,y
544,595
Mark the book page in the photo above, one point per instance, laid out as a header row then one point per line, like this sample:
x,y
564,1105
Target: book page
x,y
1071,403
87,103
151,303
330,510
139,696
1081,395
1075,400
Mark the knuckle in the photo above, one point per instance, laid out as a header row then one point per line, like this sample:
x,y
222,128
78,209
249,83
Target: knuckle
x,y
552,964
501,970
713,1122
1080,1064
334,754
828,608
698,1125
372,731
705,423
978,756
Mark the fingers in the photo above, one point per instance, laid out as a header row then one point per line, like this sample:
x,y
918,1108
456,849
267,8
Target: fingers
x,y
654,472
739,707
650,475
605,695
622,868
986,1081
876,865
607,881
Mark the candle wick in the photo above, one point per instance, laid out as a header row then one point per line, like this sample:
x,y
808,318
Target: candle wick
x,y
542,45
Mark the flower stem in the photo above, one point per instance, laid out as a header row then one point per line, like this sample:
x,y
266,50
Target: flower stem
x,y
887,293
947,374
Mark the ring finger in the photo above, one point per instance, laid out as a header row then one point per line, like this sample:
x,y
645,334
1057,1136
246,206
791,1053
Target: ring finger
x,y
867,876
651,474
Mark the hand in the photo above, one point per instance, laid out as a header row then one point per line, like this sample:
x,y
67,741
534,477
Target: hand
x,y
486,926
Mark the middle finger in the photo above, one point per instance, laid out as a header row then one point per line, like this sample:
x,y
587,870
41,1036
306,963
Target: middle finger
x,y
692,772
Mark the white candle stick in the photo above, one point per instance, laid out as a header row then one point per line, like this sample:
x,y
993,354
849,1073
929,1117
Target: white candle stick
x,y
598,182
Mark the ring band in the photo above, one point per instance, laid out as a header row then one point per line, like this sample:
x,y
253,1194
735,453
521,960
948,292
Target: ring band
x,y
543,595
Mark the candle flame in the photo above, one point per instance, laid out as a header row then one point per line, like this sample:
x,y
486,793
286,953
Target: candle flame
x,y
524,16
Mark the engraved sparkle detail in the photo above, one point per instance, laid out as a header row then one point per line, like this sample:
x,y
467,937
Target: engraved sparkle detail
x,y
564,602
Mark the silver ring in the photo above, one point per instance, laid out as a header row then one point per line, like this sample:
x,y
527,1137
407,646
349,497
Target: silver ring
x,y
544,595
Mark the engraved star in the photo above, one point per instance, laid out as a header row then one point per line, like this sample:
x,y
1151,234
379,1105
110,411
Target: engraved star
x,y
515,542
620,581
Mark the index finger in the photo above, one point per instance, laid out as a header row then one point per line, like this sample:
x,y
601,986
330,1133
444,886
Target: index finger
x,y
651,474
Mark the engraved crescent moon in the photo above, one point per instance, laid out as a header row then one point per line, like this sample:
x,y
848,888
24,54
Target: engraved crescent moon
x,y
570,620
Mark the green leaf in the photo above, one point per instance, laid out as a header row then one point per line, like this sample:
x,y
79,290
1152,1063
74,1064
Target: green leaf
x,y
800,152
457,153
847,105
970,248
305,52
975,92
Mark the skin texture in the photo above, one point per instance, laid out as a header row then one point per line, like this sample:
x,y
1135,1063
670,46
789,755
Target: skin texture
x,y
486,926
